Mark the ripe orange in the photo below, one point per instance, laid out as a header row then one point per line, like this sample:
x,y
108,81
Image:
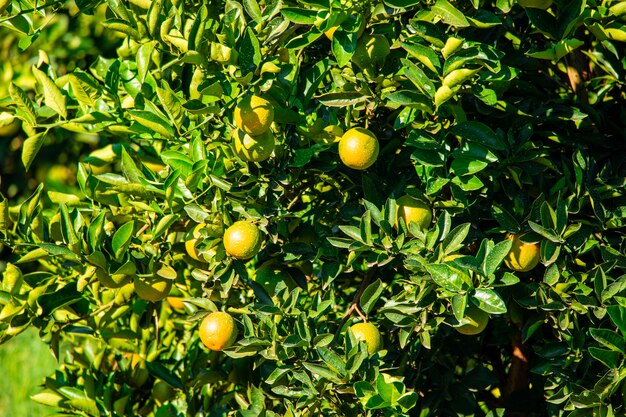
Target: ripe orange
x,y
358,148
370,335
253,148
523,256
176,303
413,210
478,320
242,240
254,115
153,288
218,331
190,244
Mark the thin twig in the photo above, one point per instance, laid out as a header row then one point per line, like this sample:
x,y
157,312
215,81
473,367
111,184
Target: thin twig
x,y
355,301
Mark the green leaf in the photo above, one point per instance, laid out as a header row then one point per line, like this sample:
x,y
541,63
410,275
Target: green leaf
x,y
496,255
454,240
548,234
153,122
300,16
506,219
60,298
53,97
344,45
333,360
320,371
249,52
450,14
31,148
58,250
371,295
122,238
158,370
418,78
609,339
348,98
446,277
401,4
610,358
618,317
425,55
26,109
489,301
478,132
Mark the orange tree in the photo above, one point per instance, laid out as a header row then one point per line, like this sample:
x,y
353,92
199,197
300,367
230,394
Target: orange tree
x,y
204,205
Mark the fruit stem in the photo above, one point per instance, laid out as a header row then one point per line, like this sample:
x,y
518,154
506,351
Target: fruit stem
x,y
355,302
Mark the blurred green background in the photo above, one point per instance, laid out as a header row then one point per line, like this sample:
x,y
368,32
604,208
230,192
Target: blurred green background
x,y
24,362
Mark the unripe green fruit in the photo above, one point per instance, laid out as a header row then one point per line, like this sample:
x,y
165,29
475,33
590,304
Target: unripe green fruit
x,y
371,52
477,321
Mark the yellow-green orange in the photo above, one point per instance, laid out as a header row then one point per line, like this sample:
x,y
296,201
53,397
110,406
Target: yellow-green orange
x,y
371,51
152,288
218,331
254,115
523,256
242,240
413,210
190,244
477,321
112,280
358,148
137,371
253,148
162,392
370,335
9,124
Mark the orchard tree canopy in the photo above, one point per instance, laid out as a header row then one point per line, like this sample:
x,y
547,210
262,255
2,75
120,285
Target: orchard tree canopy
x,y
265,208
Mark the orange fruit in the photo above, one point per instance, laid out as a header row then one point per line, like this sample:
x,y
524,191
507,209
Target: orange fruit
x,y
242,240
368,333
413,210
253,148
358,148
176,303
153,288
523,256
254,115
218,331
190,244
477,321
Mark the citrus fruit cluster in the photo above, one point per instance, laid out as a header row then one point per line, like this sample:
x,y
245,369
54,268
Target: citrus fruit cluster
x,y
253,138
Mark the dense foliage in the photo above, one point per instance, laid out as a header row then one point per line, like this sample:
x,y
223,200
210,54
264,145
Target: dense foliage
x,y
134,133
